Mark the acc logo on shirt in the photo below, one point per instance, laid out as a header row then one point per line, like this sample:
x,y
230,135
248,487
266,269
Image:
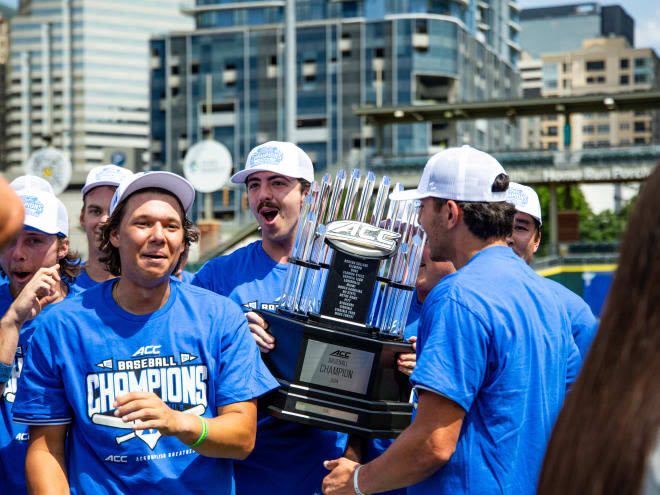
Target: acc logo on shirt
x,y
361,239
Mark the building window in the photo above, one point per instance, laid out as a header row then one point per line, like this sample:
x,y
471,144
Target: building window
x,y
566,83
588,144
229,75
595,65
587,129
603,144
345,45
640,126
640,140
640,62
309,70
552,131
624,126
625,79
641,78
566,67
551,146
624,63
603,128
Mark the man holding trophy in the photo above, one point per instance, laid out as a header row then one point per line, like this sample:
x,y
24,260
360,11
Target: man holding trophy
x,y
287,458
495,353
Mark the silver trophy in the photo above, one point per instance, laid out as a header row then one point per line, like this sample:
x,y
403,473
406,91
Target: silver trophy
x,y
350,266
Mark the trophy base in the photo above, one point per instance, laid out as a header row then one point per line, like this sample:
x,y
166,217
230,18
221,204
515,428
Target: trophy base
x,y
336,380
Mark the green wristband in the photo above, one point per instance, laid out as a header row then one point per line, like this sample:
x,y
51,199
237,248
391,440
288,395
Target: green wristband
x,y
202,435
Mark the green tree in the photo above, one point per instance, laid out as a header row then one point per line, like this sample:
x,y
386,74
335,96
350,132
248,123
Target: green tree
x,y
569,198
606,226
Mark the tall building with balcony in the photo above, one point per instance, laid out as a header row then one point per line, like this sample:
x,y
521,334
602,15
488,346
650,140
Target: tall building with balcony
x,y
601,66
348,53
79,74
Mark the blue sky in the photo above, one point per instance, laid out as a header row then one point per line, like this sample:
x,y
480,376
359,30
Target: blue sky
x,y
645,12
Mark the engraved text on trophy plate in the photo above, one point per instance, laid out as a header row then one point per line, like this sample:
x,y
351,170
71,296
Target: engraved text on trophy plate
x,y
335,366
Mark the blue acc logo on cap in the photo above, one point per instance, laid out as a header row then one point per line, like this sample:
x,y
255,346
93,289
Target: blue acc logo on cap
x,y
517,196
266,154
33,206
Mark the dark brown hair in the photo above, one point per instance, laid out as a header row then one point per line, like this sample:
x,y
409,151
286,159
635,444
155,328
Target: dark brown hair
x,y
70,265
611,416
485,220
110,254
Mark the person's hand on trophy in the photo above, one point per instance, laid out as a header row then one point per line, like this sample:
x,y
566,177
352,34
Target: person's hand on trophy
x,y
406,361
259,329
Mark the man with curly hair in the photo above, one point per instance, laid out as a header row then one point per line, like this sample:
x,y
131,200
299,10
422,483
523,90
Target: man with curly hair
x,y
141,383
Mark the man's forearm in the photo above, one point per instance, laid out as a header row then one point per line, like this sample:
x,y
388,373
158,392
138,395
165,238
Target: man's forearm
x,y
10,328
409,460
231,434
45,467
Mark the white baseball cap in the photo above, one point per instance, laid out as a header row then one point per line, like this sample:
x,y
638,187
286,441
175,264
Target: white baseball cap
x,y
105,175
44,212
525,199
31,182
279,157
173,183
461,174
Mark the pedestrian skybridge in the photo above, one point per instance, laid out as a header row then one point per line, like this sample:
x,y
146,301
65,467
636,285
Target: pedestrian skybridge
x,y
626,164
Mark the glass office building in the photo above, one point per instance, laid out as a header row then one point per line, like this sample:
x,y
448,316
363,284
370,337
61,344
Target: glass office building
x,y
228,74
79,73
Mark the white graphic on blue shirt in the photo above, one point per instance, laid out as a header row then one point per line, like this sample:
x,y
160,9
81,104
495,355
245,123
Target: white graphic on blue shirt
x,y
182,384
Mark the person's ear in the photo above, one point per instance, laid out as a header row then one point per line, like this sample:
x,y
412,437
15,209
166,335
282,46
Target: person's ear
x,y
453,213
114,237
62,248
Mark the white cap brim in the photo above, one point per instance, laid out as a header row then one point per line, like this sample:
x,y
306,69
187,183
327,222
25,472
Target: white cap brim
x,y
241,177
89,187
408,194
168,181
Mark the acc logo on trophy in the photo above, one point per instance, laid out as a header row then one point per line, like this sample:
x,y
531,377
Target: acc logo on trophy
x,y
362,239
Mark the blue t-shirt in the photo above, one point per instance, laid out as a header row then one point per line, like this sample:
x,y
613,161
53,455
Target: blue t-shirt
x,y
187,277
376,446
83,281
494,339
14,437
583,321
195,352
287,457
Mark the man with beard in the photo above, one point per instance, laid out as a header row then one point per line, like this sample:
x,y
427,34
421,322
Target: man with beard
x,y
97,192
39,269
287,458
494,352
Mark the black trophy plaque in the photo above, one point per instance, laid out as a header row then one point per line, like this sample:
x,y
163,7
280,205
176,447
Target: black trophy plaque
x,y
336,380
348,290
